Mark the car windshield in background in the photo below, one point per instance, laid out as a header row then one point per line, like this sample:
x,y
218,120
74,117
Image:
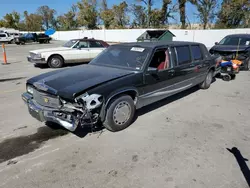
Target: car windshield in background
x,y
235,41
122,56
70,43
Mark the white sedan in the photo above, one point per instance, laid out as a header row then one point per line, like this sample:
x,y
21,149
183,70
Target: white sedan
x,y
74,51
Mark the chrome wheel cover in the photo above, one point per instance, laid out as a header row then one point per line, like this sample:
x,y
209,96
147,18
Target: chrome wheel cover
x,y
122,113
55,62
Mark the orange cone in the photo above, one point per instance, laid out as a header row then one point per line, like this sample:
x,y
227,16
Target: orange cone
x,y
4,55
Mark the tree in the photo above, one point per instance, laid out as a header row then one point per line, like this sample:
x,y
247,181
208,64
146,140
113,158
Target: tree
x,y
120,14
166,11
108,18
68,20
12,20
233,13
87,13
156,16
206,10
149,4
32,22
48,16
2,23
104,5
182,9
140,16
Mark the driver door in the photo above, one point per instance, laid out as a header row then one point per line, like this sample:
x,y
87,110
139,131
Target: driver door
x,y
159,77
83,51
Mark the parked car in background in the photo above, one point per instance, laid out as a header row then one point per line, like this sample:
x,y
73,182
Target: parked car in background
x,y
32,37
74,51
232,47
6,38
123,78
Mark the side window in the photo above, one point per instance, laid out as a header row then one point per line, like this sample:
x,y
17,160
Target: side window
x,y
161,60
196,52
83,44
95,44
183,55
2,35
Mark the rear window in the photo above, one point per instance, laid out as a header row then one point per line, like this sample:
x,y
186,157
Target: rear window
x,y
196,52
183,55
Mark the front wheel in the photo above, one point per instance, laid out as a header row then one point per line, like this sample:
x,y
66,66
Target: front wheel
x,y
55,62
208,80
120,113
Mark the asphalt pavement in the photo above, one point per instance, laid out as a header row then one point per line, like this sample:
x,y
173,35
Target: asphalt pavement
x,y
198,138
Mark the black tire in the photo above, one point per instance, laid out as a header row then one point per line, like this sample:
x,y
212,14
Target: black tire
x,y
233,76
17,43
208,80
247,65
113,124
55,61
226,77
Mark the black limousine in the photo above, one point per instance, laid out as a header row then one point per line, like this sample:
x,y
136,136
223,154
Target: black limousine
x,y
123,78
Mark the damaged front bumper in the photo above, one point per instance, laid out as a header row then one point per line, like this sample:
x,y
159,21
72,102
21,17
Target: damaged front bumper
x,y
45,114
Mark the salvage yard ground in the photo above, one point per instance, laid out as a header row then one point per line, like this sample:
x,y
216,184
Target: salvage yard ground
x,y
179,142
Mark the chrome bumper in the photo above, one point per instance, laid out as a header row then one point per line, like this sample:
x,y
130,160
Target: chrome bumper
x,y
36,61
44,114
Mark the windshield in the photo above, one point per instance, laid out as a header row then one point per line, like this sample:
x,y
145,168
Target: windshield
x,y
235,41
122,56
70,43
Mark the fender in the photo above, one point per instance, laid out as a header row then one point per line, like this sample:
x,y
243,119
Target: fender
x,y
114,94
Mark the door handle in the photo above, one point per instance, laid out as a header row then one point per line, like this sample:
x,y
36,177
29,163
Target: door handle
x,y
171,71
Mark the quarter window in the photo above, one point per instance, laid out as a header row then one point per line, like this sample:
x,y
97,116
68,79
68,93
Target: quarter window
x,y
196,51
183,55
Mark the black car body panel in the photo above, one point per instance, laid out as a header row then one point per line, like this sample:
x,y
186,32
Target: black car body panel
x,y
71,82
89,89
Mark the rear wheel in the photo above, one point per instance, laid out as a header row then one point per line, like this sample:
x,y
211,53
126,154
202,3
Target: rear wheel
x,y
55,62
120,113
208,80
247,64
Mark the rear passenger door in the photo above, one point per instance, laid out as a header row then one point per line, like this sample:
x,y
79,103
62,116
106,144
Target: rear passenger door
x,y
185,69
200,62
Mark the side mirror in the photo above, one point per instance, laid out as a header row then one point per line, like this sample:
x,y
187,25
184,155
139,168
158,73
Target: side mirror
x,y
152,70
216,43
79,47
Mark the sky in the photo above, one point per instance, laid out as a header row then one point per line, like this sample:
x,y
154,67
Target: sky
x,y
62,6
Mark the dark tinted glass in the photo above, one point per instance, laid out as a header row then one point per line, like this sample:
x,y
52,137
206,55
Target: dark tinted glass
x,y
196,51
183,55
95,44
2,35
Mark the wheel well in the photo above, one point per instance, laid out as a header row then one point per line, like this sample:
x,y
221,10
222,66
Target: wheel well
x,y
53,55
131,93
212,69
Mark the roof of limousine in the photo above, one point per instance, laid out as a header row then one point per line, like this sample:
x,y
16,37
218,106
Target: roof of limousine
x,y
156,44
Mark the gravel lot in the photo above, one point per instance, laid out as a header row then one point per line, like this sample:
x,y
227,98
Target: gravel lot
x,y
179,142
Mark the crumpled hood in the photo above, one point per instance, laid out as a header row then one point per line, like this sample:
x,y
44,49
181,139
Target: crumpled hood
x,y
229,48
70,82
50,50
